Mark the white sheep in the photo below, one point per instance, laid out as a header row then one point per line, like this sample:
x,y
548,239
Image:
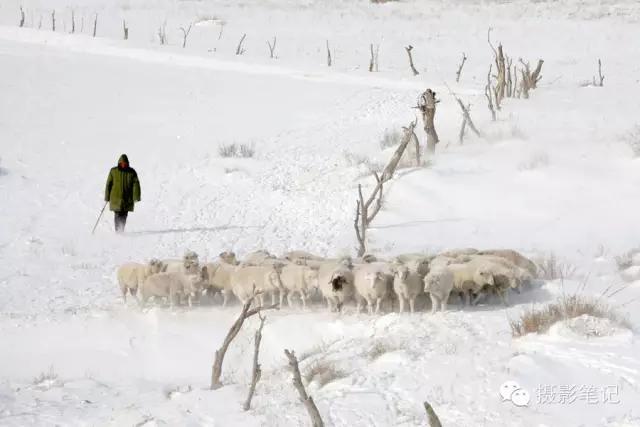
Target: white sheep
x,y
335,280
439,283
189,264
504,277
217,278
259,257
470,278
373,283
299,279
301,257
169,285
514,257
132,275
407,285
249,280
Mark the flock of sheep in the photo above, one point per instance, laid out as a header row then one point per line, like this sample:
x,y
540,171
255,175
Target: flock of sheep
x,y
468,273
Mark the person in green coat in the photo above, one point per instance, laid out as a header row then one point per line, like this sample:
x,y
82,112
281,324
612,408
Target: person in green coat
x,y
122,191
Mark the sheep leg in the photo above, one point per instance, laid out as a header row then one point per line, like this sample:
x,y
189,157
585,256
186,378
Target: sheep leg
x,y
412,304
225,298
273,297
434,303
303,297
369,305
504,296
478,297
378,302
443,303
282,295
467,298
290,300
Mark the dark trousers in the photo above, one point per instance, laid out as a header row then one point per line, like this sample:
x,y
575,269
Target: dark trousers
x,y
120,221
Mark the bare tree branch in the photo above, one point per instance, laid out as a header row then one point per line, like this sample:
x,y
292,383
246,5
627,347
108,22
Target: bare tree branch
x,y
600,76
216,370
433,419
95,25
329,60
272,47
413,68
464,59
53,20
257,371
185,35
162,33
312,409
240,49
21,17
125,30
488,95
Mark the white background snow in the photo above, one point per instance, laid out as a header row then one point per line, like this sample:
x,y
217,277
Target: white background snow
x,y
554,174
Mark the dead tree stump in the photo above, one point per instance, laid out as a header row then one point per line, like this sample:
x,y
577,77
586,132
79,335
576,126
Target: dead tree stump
x,y
427,106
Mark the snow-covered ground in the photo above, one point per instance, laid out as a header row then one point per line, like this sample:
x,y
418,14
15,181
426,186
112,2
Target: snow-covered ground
x,y
554,174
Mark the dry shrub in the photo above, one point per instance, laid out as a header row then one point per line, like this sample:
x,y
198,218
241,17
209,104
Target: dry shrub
x,y
236,150
358,160
380,348
46,378
540,319
550,268
391,138
633,140
323,372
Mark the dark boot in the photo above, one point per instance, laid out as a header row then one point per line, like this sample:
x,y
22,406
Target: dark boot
x,y
120,221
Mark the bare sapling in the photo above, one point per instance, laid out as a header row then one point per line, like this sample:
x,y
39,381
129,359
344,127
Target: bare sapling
x,y
221,24
367,210
329,59
95,25
82,24
162,33
21,17
40,23
509,83
432,418
125,30
256,371
466,116
373,59
413,68
185,34
459,72
73,21
489,95
427,106
240,49
247,311
529,79
600,81
309,404
272,48
53,20
501,73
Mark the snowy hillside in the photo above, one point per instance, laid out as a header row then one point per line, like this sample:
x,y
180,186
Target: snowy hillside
x,y
554,174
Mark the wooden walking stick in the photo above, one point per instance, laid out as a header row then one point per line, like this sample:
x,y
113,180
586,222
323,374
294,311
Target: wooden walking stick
x,y
99,216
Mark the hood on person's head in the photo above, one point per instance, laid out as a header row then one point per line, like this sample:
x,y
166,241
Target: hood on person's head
x,y
123,161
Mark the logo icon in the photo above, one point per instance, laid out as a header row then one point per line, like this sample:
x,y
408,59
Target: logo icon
x,y
511,391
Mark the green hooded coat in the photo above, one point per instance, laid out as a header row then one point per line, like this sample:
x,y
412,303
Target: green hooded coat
x,y
123,187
